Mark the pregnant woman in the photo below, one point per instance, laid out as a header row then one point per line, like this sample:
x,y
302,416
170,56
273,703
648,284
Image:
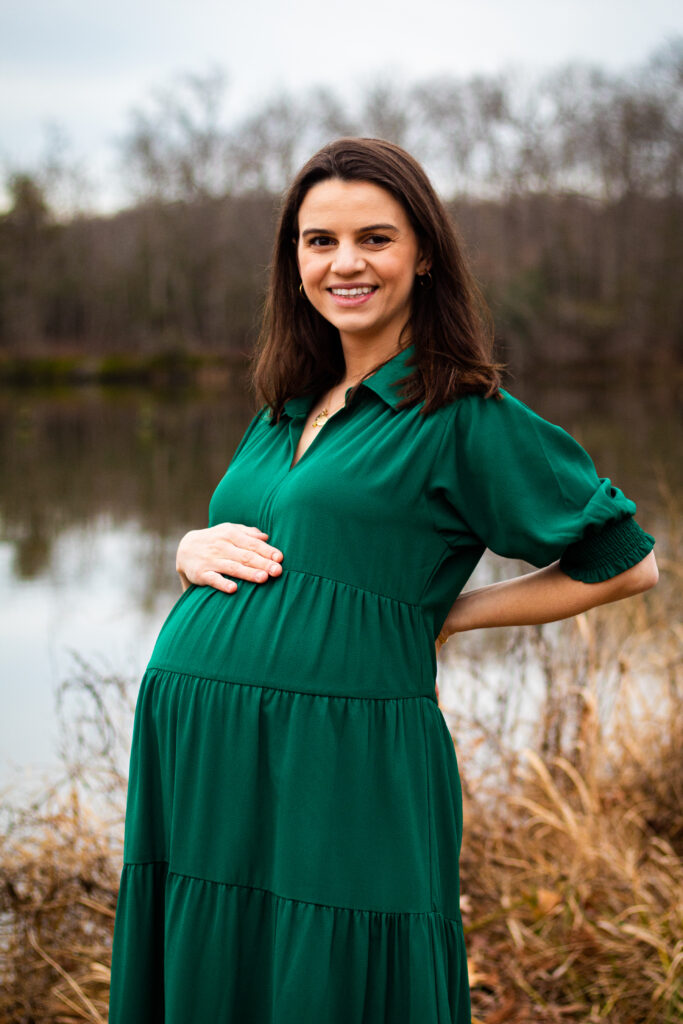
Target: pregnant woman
x,y
294,815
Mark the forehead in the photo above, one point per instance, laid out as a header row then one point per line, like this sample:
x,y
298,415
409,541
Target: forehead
x,y
338,203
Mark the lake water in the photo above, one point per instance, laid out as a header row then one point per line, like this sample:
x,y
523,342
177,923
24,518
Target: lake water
x,y
97,488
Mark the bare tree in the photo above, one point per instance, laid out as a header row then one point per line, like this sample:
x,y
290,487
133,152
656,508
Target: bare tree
x,y
176,148
463,130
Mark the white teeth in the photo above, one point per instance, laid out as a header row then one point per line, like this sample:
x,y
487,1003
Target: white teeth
x,y
351,291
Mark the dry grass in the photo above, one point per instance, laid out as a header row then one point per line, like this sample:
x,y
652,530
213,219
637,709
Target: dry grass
x,y
572,864
60,863
60,875
573,908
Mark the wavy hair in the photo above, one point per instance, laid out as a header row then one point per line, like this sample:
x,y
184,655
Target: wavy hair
x,y
299,352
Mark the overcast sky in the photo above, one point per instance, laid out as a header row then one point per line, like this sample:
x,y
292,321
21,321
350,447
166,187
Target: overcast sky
x,y
82,65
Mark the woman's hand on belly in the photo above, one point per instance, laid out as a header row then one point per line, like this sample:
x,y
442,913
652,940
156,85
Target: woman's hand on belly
x,y
205,557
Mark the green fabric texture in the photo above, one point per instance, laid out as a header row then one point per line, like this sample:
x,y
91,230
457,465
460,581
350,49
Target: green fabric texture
x,y
607,552
294,815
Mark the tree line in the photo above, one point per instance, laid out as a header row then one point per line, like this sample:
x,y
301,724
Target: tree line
x,y
566,189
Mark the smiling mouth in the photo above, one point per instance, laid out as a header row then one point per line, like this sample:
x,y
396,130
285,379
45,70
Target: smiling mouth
x,y
348,293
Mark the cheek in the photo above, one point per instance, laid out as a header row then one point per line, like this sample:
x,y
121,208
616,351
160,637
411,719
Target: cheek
x,y
309,269
401,271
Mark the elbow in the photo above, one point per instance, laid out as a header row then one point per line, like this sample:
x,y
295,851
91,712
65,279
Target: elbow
x,y
641,576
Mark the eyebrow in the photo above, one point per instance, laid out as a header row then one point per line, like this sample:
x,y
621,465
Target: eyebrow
x,y
370,227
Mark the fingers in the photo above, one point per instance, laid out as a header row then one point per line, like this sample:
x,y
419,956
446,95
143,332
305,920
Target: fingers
x,y
255,541
214,579
228,549
260,547
253,559
256,571
259,555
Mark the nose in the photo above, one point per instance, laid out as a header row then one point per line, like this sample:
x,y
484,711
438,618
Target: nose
x,y
347,259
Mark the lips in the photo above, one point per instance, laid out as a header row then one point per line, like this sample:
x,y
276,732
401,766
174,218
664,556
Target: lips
x,y
352,295
352,290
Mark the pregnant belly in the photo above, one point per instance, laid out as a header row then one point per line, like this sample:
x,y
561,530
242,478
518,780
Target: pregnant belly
x,y
303,633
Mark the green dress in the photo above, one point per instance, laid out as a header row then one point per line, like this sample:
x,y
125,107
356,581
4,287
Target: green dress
x,y
294,814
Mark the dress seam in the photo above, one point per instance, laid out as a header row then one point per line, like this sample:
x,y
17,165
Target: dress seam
x,y
429,810
354,586
279,689
291,899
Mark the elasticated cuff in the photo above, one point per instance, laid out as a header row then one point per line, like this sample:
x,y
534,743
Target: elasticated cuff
x,y
601,555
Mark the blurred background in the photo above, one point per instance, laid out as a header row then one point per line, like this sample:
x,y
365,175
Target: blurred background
x,y
143,155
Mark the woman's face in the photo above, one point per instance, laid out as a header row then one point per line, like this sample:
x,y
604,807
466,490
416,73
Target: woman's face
x,y
358,256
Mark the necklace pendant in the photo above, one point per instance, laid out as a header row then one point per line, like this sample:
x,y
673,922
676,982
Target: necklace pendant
x,y
320,418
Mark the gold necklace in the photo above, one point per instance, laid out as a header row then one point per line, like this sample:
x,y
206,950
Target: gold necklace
x,y
320,418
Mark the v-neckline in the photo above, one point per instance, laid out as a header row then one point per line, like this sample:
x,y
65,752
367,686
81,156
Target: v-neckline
x,y
293,465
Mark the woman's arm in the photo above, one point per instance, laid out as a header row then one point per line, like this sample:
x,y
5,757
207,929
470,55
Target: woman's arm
x,y
544,596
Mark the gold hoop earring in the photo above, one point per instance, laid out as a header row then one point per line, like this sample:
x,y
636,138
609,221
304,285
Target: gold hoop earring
x,y
301,289
423,284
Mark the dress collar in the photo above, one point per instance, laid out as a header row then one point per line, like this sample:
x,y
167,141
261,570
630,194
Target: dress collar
x,y
382,382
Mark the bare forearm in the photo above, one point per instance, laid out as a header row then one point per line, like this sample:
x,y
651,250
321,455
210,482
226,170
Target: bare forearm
x,y
545,595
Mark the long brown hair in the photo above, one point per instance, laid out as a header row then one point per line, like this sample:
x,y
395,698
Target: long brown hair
x,y
299,352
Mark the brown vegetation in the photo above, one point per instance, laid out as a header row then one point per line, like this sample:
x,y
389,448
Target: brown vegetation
x,y
573,899
572,861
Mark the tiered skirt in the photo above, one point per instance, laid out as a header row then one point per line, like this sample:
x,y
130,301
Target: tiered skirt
x,y
292,841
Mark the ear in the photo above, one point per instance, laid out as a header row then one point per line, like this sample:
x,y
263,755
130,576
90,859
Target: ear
x,y
424,264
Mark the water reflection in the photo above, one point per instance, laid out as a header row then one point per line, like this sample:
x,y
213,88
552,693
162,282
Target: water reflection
x,y
78,460
98,488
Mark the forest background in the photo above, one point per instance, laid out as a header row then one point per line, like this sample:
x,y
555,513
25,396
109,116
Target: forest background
x,y
567,189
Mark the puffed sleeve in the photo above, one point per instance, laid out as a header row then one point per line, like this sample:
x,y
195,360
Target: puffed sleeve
x,y
526,489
